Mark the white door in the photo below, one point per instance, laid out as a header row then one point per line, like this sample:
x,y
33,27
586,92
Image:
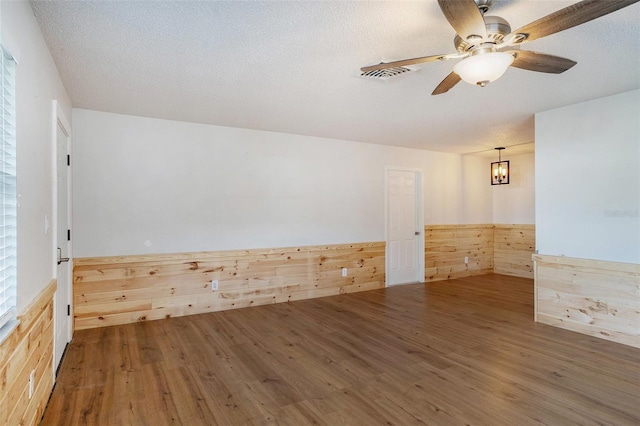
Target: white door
x,y
404,227
63,293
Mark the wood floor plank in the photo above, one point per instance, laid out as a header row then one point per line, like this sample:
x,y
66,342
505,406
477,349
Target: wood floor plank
x,y
456,352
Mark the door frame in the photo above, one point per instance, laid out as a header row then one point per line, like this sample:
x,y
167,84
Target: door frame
x,y
419,215
59,119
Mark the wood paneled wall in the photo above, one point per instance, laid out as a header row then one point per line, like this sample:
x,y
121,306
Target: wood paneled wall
x,y
588,296
501,249
445,247
513,246
119,290
28,348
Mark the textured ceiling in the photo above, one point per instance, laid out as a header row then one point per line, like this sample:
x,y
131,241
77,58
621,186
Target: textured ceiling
x,y
292,66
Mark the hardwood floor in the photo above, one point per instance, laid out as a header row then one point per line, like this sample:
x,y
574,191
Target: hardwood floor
x,y
460,352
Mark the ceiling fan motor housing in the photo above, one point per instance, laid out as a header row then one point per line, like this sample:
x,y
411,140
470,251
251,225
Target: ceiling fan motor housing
x,y
497,28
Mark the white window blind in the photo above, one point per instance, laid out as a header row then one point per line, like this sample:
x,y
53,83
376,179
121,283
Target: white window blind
x,y
8,217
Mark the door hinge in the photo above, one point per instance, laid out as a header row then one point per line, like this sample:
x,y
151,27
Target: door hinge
x,y
68,160
68,234
68,310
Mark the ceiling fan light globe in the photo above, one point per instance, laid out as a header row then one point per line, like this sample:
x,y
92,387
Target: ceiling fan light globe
x,y
484,68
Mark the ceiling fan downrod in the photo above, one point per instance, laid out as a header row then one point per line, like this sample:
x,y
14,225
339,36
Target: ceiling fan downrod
x,y
484,5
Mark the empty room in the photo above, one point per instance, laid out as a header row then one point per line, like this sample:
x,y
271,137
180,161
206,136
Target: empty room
x,y
320,212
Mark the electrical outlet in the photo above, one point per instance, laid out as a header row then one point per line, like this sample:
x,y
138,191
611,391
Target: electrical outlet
x,y
344,272
214,285
32,382
466,259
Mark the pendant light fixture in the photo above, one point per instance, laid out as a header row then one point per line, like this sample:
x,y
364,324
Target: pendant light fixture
x,y
500,170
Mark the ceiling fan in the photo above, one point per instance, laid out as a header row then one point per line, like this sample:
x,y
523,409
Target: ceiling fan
x,y
487,46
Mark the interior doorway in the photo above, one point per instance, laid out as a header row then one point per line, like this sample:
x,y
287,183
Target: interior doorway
x,y
404,226
62,240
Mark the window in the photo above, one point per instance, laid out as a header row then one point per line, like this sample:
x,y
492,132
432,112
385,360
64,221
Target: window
x,y
8,217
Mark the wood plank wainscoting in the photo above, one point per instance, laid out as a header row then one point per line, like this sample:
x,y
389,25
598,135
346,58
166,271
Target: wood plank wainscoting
x,y
445,247
28,348
500,248
589,296
513,246
126,289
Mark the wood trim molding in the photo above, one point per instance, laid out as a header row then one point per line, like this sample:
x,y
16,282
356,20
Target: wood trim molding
x,y
593,297
28,348
205,255
125,289
632,268
450,227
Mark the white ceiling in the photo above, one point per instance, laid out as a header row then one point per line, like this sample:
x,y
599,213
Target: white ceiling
x,y
293,67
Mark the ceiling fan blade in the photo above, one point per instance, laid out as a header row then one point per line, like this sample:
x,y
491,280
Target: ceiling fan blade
x,y
413,61
569,17
465,17
540,62
446,84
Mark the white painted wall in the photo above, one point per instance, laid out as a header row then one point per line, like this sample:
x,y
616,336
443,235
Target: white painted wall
x,y
588,179
155,186
514,203
476,191
37,85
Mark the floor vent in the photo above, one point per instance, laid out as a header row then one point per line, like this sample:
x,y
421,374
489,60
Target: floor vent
x,y
387,73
